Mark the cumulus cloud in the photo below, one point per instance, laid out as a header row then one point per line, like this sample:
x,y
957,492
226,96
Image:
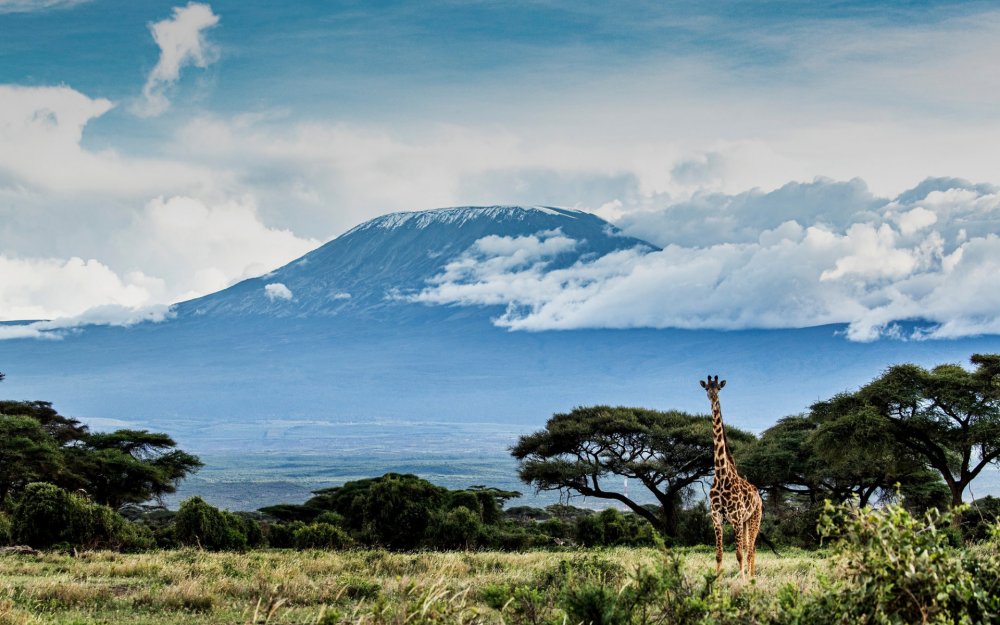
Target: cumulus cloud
x,y
176,248
200,247
41,129
277,291
182,42
47,288
870,264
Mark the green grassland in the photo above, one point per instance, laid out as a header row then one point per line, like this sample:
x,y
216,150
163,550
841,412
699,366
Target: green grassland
x,y
282,586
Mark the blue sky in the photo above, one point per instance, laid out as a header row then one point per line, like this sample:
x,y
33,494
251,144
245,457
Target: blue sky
x,y
144,171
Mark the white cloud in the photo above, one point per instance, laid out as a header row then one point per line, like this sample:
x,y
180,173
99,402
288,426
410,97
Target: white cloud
x,y
276,291
867,273
174,249
47,288
97,316
30,6
182,42
42,159
201,247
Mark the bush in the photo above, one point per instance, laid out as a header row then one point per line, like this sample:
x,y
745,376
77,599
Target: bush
x,y
321,536
694,526
589,531
903,569
465,499
251,528
46,515
331,518
982,516
612,528
6,529
397,510
282,535
199,524
457,529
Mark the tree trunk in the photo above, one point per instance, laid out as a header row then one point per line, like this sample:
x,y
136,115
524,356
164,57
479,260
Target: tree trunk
x,y
956,501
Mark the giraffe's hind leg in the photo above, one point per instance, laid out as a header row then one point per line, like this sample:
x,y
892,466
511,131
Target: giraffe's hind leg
x,y
752,533
740,541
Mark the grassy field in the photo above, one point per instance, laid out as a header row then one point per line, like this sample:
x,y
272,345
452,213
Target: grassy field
x,y
275,586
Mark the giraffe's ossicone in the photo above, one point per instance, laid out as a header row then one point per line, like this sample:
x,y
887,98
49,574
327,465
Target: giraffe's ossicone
x,y
732,498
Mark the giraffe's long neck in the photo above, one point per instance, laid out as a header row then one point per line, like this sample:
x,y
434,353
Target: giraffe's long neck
x,y
723,466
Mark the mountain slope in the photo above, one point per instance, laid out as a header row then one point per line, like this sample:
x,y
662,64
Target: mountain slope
x,y
365,269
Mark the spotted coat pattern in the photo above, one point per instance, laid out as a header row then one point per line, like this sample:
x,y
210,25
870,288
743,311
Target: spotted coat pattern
x,y
732,498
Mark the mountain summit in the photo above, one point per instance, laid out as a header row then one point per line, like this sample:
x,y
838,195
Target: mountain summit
x,y
370,266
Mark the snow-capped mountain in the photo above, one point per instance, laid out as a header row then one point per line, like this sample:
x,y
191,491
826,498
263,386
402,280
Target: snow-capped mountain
x,y
323,370
378,263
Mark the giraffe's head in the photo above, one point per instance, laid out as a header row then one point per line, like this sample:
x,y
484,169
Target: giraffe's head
x,y
712,386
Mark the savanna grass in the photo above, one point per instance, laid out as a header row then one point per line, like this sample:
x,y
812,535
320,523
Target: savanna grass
x,y
277,586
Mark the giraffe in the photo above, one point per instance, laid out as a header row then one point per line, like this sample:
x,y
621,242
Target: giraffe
x,y
732,497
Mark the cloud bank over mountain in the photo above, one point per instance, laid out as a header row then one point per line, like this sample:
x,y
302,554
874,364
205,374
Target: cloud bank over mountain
x,y
803,255
681,124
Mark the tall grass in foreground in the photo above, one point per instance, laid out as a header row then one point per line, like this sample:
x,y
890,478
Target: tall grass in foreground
x,y
884,567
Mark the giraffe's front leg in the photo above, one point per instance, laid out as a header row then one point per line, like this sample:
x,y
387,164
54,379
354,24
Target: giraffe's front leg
x,y
717,522
738,531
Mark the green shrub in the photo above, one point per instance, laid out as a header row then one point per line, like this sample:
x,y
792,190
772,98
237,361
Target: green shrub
x,y
282,535
458,529
199,524
981,517
321,536
253,531
465,499
659,594
6,529
397,510
589,531
903,569
331,518
46,515
612,528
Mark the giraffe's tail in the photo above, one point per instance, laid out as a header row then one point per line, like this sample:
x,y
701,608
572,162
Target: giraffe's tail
x,y
767,541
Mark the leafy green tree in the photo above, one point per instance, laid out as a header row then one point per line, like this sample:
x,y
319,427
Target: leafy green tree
x,y
130,466
825,455
115,468
27,454
947,416
588,450
64,430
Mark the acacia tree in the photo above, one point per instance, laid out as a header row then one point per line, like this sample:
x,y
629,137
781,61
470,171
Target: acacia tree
x,y
115,468
130,466
580,451
948,416
821,455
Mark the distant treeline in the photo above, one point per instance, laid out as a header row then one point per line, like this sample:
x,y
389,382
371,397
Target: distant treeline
x,y
916,435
